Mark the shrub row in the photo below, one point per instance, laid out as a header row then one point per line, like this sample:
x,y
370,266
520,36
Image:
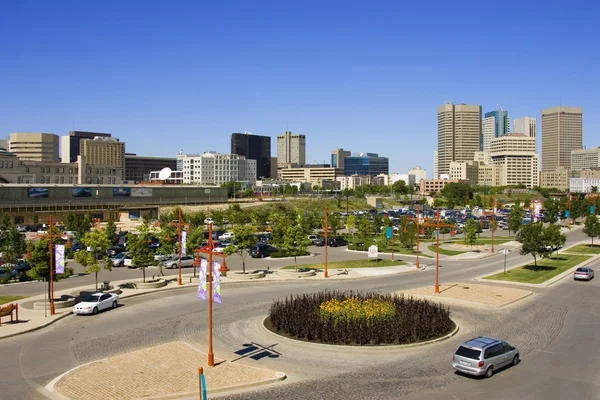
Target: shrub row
x,y
414,320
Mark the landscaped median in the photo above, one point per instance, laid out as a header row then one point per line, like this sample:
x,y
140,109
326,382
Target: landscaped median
x,y
445,252
584,249
364,263
546,269
9,299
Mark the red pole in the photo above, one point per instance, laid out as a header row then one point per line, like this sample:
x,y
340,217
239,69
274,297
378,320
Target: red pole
x,y
52,309
180,248
200,372
326,243
437,252
211,355
493,219
418,226
392,243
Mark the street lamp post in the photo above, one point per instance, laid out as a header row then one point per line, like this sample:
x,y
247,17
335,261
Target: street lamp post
x,y
179,224
417,223
50,236
326,243
492,226
437,225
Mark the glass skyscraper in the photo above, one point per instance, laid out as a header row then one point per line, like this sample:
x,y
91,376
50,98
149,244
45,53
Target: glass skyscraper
x,y
366,164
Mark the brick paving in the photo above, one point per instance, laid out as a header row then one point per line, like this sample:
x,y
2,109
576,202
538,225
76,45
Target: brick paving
x,y
167,369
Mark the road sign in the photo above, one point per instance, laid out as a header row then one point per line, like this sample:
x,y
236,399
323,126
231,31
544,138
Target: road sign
x,y
567,213
389,232
373,251
592,210
505,251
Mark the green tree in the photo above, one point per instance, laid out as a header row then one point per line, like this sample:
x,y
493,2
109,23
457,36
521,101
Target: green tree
x,y
248,193
142,255
236,215
40,259
407,234
196,219
457,193
515,220
194,241
5,223
245,239
295,243
470,231
334,221
111,229
532,239
218,217
579,208
351,222
259,217
12,245
78,223
437,203
280,222
95,259
146,217
166,237
365,229
553,238
592,227
551,211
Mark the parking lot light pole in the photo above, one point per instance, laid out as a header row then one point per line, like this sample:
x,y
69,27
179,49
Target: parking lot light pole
x,y
211,354
417,222
179,224
326,230
50,236
437,225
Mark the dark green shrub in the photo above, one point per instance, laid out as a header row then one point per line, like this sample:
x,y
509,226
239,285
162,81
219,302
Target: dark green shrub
x,y
413,320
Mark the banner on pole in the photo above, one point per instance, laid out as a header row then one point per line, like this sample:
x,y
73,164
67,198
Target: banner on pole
x,y
59,258
202,279
183,242
217,283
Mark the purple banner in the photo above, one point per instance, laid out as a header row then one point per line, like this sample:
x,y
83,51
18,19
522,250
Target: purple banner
x,y
217,283
59,258
183,242
202,279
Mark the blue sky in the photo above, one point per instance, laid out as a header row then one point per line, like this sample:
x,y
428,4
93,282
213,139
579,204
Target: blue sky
x,y
365,76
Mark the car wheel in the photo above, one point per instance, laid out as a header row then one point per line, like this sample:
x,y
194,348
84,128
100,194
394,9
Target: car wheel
x,y
95,310
114,305
489,372
515,360
174,266
121,264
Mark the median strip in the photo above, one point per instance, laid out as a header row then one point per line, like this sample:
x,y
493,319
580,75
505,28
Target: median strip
x,y
546,269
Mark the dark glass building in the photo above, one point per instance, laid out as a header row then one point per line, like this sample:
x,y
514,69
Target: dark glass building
x,y
366,164
254,147
138,168
70,144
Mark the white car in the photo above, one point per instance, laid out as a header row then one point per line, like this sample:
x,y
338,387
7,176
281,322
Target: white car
x,y
164,257
226,236
208,221
128,261
221,248
96,302
186,261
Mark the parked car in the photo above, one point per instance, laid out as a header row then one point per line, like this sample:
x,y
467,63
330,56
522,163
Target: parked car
x,y
584,273
5,273
164,257
261,250
221,247
114,250
21,228
96,302
20,268
186,261
484,356
208,221
314,238
226,236
128,261
205,246
320,242
337,242
119,259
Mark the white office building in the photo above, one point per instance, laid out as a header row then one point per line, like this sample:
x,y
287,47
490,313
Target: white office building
x,y
526,126
583,185
211,168
418,173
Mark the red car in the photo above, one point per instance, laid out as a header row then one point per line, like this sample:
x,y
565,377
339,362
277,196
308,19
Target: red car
x,y
206,246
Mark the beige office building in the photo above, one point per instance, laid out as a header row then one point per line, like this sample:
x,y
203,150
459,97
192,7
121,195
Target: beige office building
x,y
34,146
338,156
517,153
562,132
291,149
526,126
104,151
459,134
585,159
558,178
313,175
490,175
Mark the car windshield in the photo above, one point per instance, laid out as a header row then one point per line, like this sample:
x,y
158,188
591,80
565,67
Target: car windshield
x,y
468,353
92,299
581,269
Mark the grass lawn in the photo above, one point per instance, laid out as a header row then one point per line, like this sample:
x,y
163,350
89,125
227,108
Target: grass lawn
x,y
585,249
10,299
364,263
402,250
487,240
445,252
547,268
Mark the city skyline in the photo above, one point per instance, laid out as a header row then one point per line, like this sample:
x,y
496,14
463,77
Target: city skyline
x,y
364,76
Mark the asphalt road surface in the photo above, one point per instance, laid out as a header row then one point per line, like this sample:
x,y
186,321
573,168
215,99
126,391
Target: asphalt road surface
x,y
555,330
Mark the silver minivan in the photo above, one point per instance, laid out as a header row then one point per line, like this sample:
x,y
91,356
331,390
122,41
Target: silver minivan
x,y
484,356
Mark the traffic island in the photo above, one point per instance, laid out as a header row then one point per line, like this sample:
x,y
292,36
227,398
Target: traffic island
x,y
149,284
166,371
296,273
64,301
470,294
246,276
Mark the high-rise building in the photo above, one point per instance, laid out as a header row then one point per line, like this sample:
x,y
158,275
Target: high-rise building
x,y
254,147
459,134
435,165
34,146
138,168
366,164
562,132
211,168
494,124
585,159
517,153
418,173
337,157
291,149
104,151
526,126
70,145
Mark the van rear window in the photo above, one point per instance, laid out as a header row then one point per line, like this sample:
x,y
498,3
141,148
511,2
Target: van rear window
x,y
468,353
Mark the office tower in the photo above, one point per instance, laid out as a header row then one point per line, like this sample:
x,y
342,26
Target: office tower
x,y
562,132
526,126
418,173
254,147
517,154
337,157
71,144
138,168
291,149
435,165
107,151
459,134
494,124
34,146
585,159
366,164
211,168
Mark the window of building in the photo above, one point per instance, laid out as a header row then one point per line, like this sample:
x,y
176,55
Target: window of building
x,y
70,179
56,179
62,179
57,170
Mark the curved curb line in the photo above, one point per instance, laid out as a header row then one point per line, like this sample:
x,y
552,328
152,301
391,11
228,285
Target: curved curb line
x,y
50,385
63,315
362,348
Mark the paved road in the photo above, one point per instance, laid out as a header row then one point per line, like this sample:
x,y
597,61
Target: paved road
x,y
555,331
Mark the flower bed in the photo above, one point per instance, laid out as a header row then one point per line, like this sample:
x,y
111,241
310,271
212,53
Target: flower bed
x,y
355,318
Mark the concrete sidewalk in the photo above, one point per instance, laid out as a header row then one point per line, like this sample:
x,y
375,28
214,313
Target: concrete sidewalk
x,y
31,319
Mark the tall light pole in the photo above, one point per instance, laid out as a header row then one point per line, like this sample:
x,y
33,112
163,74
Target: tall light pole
x,y
437,225
179,224
326,243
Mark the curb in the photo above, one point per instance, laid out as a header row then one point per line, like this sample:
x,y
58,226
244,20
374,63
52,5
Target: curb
x,y
61,316
467,303
361,348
